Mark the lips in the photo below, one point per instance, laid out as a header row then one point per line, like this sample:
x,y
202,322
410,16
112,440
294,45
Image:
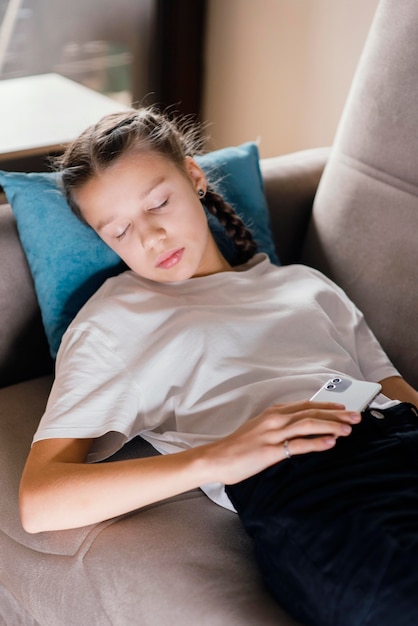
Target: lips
x,y
169,259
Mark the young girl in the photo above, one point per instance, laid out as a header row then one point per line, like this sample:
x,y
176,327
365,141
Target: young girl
x,y
214,364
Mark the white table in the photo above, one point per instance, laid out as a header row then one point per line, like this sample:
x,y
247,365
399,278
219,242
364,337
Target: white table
x,y
42,114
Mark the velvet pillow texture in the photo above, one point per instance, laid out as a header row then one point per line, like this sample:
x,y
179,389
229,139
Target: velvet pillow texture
x,y
69,262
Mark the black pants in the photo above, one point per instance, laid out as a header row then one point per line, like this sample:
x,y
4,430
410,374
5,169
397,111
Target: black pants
x,y
336,532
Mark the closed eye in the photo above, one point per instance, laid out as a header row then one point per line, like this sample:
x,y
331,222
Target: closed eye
x,y
160,206
122,234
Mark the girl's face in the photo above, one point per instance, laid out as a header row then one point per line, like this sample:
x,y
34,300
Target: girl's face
x,y
148,211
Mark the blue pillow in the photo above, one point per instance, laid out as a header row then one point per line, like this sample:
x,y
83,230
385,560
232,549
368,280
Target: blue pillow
x,y
237,177
69,262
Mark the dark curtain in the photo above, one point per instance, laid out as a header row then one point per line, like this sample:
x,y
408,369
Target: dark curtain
x,y
177,55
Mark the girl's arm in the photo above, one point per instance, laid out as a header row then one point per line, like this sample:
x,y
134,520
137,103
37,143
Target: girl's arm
x,y
59,490
397,388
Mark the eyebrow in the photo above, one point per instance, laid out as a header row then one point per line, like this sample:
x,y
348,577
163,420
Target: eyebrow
x,y
154,184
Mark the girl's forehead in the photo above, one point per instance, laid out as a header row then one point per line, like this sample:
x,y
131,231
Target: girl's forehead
x,y
132,177
142,159
144,169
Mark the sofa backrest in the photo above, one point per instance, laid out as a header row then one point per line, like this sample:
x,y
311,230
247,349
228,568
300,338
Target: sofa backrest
x,y
290,183
23,346
365,217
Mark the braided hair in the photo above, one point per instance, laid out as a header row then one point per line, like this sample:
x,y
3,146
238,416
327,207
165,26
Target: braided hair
x,y
139,131
233,225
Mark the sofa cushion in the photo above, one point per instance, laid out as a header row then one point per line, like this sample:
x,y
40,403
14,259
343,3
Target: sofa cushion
x,y
365,215
235,173
69,261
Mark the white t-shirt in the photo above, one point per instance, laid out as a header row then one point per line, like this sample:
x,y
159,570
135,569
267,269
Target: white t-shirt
x,y
183,364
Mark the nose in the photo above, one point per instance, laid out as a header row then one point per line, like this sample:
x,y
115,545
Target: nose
x,y
151,237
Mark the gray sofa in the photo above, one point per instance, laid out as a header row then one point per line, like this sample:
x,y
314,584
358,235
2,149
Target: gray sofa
x,y
187,561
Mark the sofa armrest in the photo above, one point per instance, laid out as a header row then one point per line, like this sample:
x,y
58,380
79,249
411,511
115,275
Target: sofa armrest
x,y
290,183
23,346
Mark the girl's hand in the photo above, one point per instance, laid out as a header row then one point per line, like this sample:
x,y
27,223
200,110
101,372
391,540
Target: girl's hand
x,y
260,442
60,490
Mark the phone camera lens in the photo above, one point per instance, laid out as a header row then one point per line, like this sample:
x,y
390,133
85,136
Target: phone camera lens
x,y
336,381
330,386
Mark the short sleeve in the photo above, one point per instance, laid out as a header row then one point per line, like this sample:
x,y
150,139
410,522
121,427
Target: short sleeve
x,y
355,334
93,395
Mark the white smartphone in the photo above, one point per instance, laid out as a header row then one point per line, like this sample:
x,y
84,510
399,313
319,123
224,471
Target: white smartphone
x,y
356,395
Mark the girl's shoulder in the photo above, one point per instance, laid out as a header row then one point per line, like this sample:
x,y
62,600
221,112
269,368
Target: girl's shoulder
x,y
296,271
113,295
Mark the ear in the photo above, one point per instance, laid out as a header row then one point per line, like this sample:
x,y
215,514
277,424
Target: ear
x,y
195,174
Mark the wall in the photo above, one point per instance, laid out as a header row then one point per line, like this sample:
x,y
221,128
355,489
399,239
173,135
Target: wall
x,y
279,70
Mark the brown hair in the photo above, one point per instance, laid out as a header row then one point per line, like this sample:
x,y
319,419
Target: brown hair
x,y
145,130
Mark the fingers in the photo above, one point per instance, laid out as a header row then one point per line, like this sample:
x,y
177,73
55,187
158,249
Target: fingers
x,y
313,415
312,426
294,447
304,405
305,426
324,410
314,423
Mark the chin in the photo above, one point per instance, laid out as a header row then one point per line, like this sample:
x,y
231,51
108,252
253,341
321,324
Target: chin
x,y
165,276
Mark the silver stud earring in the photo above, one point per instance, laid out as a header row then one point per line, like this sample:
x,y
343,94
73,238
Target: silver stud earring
x,y
201,193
